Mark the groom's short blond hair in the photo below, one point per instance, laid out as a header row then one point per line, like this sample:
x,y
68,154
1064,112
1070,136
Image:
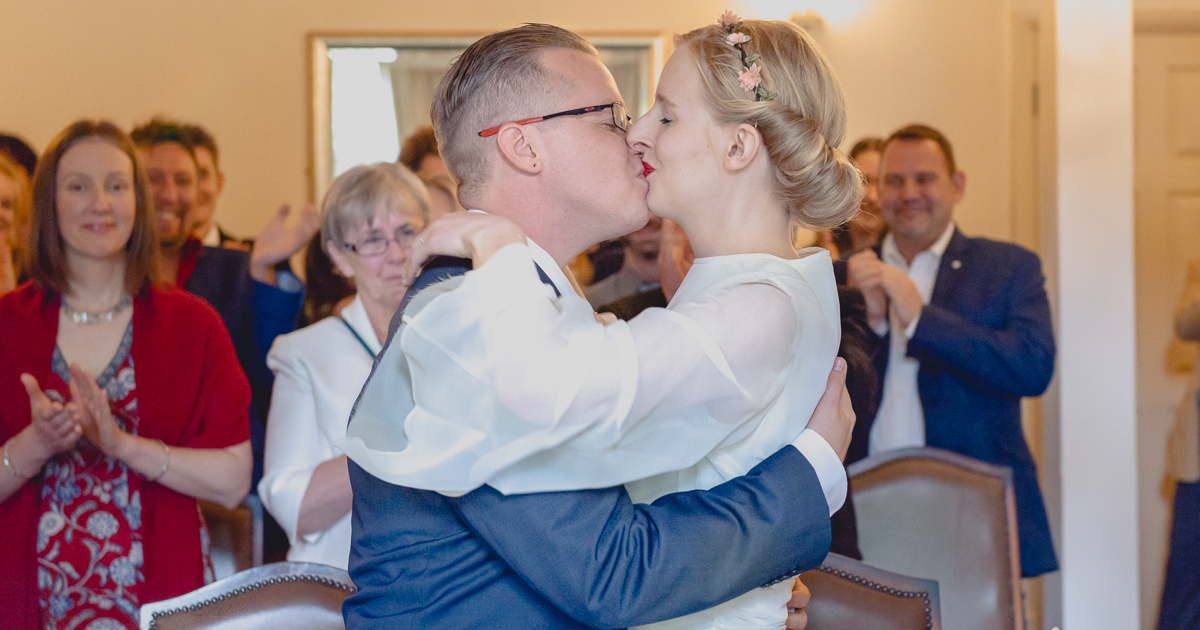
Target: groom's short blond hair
x,y
498,79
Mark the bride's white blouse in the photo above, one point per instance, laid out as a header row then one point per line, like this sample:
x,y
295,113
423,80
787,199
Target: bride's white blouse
x,y
514,388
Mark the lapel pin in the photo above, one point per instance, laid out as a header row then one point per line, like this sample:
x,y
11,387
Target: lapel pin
x,y
956,264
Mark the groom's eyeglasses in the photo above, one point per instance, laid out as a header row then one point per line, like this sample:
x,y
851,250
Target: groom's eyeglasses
x,y
620,119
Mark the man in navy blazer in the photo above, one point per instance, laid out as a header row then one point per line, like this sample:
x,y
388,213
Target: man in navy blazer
x,y
962,325
567,559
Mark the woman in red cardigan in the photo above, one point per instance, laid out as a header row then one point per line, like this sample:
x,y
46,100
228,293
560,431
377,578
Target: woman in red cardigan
x,y
121,403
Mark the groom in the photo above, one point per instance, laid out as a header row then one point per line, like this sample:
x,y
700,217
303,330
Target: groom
x,y
568,559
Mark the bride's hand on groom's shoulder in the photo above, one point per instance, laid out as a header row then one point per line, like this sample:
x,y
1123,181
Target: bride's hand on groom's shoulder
x,y
473,235
797,618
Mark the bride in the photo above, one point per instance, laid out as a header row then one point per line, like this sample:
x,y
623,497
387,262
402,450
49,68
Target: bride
x,y
739,147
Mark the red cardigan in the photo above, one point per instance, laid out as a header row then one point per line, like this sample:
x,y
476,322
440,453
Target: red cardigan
x,y
191,392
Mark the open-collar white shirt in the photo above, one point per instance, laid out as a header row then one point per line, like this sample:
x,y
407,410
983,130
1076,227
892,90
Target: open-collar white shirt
x,y
900,422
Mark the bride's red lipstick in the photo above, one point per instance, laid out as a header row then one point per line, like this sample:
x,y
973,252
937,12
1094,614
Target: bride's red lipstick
x,y
646,169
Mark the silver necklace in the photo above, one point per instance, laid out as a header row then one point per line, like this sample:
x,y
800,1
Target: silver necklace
x,y
96,317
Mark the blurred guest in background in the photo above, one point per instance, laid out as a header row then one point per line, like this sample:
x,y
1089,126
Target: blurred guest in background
x,y
99,499
14,221
326,291
210,181
420,154
369,218
443,195
1181,589
256,297
20,151
638,272
867,227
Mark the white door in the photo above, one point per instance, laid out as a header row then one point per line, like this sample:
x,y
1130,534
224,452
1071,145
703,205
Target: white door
x,y
1167,225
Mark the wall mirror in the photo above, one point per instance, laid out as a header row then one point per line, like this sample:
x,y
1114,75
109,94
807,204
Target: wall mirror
x,y
368,93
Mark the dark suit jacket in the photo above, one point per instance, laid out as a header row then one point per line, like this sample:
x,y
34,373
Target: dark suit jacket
x,y
984,341
254,313
578,559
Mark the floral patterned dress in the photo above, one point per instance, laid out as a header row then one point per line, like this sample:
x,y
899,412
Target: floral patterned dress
x,y
89,541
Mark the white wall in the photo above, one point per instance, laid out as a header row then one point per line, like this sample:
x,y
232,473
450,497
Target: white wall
x,y
240,68
1096,326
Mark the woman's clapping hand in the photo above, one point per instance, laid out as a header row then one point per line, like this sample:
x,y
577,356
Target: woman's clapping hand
x,y
55,427
95,416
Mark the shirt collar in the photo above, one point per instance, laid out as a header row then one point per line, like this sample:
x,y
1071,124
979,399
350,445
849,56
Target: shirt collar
x,y
545,261
355,314
889,252
213,237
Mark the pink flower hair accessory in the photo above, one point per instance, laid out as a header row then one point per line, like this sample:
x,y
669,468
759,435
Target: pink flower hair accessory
x,y
751,77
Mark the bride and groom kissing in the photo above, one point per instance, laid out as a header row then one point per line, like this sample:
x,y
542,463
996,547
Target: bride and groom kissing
x,y
516,459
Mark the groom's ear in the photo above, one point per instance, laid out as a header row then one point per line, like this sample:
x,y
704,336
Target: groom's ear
x,y
743,146
518,146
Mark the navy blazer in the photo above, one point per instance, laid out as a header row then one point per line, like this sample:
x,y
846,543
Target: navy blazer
x,y
254,313
580,559
985,340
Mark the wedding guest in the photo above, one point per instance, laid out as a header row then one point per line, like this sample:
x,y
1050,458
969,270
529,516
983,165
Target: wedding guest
x,y
1181,589
210,182
961,329
369,219
639,268
420,153
256,295
14,221
867,227
326,291
443,195
20,151
121,404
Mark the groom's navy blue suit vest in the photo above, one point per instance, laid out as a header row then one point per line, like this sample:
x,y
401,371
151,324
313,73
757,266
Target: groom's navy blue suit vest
x,y
578,559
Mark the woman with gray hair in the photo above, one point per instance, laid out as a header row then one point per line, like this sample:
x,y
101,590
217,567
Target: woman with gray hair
x,y
369,219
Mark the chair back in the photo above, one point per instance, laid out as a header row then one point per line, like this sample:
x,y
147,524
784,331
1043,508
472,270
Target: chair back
x,y
945,517
235,536
850,595
290,595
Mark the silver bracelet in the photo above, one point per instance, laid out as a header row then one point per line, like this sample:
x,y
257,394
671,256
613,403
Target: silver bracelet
x,y
166,464
13,469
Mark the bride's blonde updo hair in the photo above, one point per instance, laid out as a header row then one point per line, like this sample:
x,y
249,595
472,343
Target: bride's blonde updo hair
x,y
801,127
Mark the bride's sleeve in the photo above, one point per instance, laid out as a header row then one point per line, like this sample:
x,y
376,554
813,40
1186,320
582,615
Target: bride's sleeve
x,y
529,393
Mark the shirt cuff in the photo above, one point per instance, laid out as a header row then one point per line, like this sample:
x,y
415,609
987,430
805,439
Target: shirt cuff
x,y
828,465
288,282
912,326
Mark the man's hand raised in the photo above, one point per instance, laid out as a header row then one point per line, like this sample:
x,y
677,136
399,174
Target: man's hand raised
x,y
279,241
865,272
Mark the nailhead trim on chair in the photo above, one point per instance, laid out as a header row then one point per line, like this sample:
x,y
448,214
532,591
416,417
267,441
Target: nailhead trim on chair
x,y
890,591
249,587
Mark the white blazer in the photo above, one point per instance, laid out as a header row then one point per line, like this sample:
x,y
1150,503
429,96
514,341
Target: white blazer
x,y
319,371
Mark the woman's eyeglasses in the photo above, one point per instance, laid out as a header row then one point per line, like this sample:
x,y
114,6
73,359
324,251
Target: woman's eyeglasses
x,y
377,243
620,119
